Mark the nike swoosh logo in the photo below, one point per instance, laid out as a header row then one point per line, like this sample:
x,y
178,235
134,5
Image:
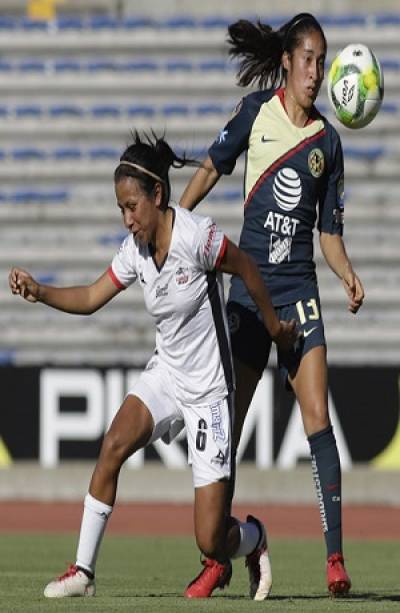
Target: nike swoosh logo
x,y
310,331
268,140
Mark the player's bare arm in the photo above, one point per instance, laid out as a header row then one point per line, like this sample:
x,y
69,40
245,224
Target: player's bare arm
x,y
199,185
334,252
82,300
236,261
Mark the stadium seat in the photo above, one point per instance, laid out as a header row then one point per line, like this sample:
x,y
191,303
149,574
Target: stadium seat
x,y
106,110
69,22
67,65
32,65
210,109
139,65
28,153
101,65
33,24
66,110
103,22
369,154
104,153
67,153
6,66
178,65
178,22
175,109
8,22
132,22
28,110
112,239
214,66
145,110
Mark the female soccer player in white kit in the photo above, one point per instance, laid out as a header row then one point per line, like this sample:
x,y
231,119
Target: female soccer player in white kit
x,y
177,257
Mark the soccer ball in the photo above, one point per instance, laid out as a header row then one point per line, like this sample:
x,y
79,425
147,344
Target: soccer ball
x,y
355,86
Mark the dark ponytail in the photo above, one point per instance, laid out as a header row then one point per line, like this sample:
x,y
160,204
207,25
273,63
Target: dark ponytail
x,y
154,155
261,48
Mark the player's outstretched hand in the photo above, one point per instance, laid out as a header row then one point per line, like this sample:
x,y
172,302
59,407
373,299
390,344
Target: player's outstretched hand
x,y
287,335
23,284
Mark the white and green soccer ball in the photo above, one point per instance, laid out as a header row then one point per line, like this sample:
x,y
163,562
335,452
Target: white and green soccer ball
x,y
355,86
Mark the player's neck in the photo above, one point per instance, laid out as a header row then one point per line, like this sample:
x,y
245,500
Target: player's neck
x,y
296,113
162,239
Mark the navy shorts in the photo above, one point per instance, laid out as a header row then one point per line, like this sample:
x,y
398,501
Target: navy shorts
x,y
251,343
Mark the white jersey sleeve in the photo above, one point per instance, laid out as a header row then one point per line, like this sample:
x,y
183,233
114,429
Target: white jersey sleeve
x,y
210,244
123,267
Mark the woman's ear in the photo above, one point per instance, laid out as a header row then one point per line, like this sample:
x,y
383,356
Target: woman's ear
x,y
285,60
158,194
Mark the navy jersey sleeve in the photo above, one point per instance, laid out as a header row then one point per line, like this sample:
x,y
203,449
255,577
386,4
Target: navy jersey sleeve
x,y
331,202
233,139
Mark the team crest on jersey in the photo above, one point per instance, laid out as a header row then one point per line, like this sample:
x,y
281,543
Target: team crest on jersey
x,y
182,276
316,162
279,249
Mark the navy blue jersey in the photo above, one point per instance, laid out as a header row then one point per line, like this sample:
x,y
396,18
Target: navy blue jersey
x,y
293,181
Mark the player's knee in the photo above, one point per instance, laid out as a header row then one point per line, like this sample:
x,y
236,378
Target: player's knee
x,y
116,449
316,419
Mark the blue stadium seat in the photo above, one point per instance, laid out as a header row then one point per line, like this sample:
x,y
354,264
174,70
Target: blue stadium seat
x,y
101,65
214,65
179,65
215,22
389,107
66,110
390,64
30,65
67,153
33,24
178,22
387,19
112,239
28,153
32,195
5,66
131,22
7,356
144,110
67,65
4,110
104,153
8,22
106,110
47,278
369,154
103,22
175,109
229,195
210,109
343,20
28,110
69,22
139,65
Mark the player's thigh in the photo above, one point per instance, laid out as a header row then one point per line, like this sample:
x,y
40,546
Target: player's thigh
x,y
310,384
156,390
130,429
251,346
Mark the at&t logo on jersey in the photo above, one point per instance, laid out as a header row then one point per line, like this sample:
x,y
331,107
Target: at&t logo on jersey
x,y
287,189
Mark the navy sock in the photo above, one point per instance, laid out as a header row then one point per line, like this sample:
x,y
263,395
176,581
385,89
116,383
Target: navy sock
x,y
325,464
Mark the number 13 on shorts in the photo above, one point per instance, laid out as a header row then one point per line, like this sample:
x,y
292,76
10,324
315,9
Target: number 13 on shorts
x,y
307,311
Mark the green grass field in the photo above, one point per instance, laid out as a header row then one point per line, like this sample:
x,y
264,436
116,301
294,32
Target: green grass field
x,y
150,574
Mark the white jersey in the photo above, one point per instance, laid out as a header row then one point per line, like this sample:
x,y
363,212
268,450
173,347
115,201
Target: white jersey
x,y
186,299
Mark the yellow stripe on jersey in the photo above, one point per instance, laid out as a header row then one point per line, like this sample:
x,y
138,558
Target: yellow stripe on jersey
x,y
273,136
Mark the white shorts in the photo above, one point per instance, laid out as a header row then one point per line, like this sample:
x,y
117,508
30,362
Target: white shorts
x,y
208,426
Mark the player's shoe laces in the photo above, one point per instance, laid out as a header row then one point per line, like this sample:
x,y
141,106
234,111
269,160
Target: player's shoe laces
x,y
74,582
259,565
337,578
212,576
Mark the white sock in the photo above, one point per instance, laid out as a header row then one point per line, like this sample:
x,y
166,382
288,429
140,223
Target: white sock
x,y
249,537
94,521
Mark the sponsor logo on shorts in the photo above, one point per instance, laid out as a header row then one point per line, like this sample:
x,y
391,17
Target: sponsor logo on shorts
x,y
217,423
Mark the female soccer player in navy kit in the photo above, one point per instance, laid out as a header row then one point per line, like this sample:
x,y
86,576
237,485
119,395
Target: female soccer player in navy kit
x,y
293,181
177,257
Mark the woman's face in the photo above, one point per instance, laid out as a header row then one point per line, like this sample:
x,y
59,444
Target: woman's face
x,y
139,210
305,68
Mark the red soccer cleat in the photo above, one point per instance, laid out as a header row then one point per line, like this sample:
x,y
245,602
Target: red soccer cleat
x,y
212,576
337,578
